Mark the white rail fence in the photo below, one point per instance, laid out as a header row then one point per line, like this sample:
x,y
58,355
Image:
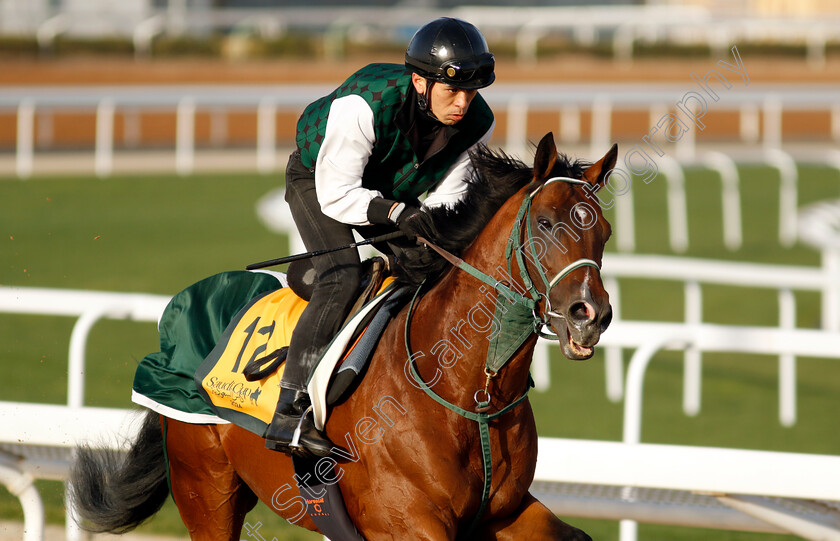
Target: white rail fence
x,y
36,440
702,487
90,307
759,147
679,485
693,338
646,338
751,103
785,280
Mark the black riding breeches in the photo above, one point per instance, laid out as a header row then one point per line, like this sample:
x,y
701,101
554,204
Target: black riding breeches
x,y
338,275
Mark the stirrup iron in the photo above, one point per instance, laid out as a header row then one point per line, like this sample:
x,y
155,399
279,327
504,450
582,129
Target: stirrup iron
x,y
295,443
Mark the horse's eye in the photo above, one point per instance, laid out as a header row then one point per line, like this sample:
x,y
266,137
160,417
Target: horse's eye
x,y
544,222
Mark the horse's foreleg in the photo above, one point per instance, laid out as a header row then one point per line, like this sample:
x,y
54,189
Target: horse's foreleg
x,y
532,520
210,496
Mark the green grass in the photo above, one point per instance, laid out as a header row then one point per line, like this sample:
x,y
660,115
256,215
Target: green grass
x,y
160,234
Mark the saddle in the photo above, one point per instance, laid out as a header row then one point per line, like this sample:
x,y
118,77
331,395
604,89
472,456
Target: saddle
x,y
301,277
240,377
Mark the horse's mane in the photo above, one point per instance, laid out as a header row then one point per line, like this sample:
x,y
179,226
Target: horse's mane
x,y
496,178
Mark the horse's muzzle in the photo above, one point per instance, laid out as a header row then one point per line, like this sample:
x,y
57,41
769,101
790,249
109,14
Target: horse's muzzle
x,y
579,327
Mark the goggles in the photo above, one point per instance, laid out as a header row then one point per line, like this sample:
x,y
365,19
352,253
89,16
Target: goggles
x,y
458,72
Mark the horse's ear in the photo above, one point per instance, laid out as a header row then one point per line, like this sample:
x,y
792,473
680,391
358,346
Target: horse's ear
x,y
599,170
545,158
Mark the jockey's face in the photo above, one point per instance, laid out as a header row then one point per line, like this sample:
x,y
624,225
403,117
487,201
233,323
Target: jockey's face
x,y
448,104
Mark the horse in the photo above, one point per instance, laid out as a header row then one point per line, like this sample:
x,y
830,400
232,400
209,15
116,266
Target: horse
x,y
437,444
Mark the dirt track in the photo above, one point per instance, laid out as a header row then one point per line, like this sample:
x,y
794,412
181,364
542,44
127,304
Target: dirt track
x,y
570,69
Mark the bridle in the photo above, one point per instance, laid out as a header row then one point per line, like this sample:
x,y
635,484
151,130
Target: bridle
x,y
515,247
519,317
514,251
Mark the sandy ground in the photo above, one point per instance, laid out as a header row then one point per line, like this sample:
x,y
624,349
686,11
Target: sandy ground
x,y
27,71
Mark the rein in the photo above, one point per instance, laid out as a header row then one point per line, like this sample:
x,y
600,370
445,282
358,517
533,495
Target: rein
x,y
519,318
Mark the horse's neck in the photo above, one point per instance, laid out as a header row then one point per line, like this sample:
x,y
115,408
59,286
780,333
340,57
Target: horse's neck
x,y
456,321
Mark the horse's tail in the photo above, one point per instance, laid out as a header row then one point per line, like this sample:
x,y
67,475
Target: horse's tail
x,y
115,493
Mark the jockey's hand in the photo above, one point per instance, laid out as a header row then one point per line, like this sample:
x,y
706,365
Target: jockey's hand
x,y
413,261
415,223
409,219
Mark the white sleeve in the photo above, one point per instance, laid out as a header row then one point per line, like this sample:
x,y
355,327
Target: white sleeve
x,y
453,185
344,153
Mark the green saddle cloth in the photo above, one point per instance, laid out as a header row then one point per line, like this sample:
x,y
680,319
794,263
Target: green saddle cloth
x,y
189,328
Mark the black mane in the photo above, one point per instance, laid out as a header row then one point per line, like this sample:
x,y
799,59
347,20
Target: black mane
x,y
496,178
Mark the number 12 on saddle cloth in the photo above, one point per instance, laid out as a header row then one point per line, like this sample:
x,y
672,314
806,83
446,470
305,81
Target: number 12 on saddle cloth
x,y
262,327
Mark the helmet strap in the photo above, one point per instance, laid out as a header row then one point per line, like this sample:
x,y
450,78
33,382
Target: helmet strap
x,y
424,101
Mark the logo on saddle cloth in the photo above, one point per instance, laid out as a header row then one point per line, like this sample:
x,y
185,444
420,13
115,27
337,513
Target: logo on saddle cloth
x,y
261,328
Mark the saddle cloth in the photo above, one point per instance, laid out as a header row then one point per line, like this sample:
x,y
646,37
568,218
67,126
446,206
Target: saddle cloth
x,y
263,326
212,330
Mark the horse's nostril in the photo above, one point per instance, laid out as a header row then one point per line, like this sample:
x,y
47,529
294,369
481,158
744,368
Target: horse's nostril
x,y
582,311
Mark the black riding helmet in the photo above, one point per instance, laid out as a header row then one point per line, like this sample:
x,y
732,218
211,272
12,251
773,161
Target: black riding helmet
x,y
451,51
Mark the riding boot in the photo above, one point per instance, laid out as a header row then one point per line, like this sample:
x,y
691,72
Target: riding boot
x,y
293,413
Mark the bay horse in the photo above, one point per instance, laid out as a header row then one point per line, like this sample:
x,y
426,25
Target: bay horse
x,y
412,467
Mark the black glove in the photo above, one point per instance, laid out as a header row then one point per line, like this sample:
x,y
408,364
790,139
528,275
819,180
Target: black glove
x,y
415,262
414,223
409,219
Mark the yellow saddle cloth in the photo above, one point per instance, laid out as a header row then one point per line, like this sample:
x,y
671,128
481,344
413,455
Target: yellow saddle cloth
x,y
260,328
265,325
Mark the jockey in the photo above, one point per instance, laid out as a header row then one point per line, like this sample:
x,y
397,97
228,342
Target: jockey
x,y
364,154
